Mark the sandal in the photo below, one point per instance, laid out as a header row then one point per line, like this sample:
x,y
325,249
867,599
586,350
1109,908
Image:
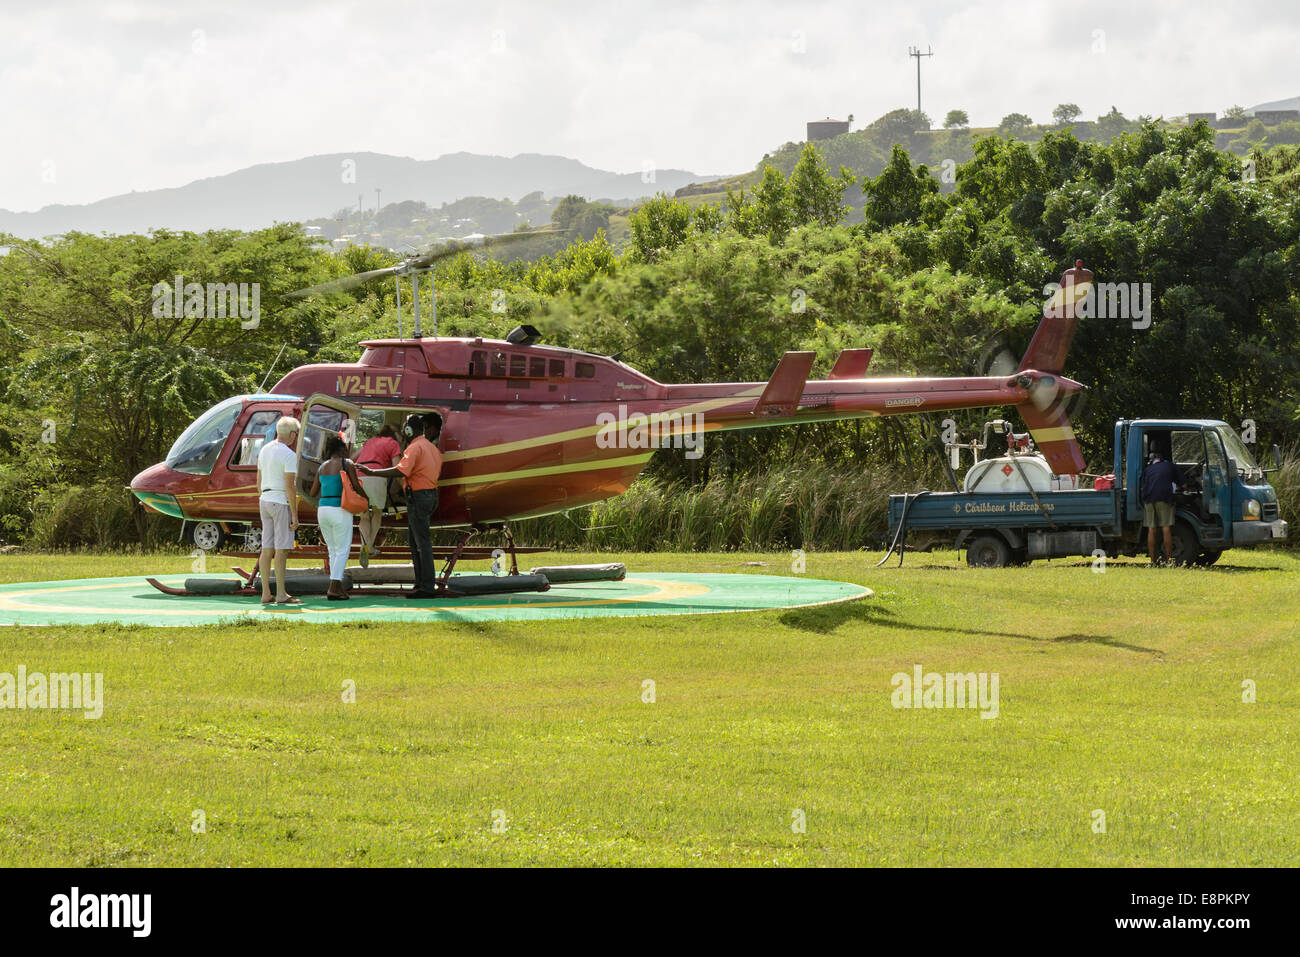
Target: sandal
x,y
291,600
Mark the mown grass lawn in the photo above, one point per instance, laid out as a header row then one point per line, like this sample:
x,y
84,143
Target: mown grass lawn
x,y
1119,692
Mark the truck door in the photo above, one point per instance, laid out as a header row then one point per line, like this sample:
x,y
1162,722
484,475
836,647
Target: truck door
x,y
1189,454
322,416
1218,486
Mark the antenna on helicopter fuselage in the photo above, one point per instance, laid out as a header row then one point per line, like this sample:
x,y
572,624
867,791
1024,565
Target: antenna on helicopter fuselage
x,y
262,388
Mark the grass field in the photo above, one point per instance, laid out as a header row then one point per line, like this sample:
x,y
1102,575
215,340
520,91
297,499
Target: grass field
x,y
1119,692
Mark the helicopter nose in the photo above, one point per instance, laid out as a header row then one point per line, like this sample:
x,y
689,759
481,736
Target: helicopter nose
x,y
155,488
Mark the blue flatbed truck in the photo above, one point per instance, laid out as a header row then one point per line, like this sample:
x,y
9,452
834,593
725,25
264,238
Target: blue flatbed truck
x,y
1227,503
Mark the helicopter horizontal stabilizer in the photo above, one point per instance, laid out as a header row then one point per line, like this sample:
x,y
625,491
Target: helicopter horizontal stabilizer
x,y
852,364
783,391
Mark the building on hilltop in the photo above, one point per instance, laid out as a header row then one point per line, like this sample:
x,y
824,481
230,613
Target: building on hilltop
x,y
827,128
1274,117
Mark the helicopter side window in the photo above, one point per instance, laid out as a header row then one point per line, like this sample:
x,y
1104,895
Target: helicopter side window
x,y
537,368
259,431
557,368
518,365
478,365
322,421
498,363
584,370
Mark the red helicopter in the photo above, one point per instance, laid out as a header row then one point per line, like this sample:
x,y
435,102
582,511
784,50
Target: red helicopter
x,y
531,429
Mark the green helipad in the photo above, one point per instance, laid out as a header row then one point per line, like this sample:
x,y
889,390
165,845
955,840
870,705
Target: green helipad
x,y
134,601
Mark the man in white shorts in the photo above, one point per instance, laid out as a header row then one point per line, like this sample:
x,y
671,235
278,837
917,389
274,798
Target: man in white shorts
x,y
277,468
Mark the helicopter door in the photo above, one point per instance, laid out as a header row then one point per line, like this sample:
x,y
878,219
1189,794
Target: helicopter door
x,y
322,416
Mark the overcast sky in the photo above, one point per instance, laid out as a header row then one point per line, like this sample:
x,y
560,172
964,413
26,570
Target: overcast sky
x,y
102,98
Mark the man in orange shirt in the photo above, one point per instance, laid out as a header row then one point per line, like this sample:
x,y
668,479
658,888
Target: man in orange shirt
x,y
420,465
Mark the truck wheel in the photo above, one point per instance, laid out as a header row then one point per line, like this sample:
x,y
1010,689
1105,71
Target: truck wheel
x,y
253,539
207,536
1186,547
1208,557
988,551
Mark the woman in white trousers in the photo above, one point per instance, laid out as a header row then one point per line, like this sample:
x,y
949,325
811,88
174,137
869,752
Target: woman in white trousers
x,y
335,521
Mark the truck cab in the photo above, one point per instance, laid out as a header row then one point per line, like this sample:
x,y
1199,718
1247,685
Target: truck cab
x,y
1225,502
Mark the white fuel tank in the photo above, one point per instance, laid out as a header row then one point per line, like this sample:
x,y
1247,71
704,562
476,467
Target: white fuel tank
x,y
1001,475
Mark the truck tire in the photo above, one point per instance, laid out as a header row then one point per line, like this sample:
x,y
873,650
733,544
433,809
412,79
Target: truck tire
x,y
1208,557
988,551
1186,548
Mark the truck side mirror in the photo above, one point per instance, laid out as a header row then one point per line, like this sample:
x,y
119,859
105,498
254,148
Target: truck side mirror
x,y
1232,470
1277,457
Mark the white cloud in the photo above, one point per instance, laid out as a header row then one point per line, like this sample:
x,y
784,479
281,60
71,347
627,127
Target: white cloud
x,y
140,94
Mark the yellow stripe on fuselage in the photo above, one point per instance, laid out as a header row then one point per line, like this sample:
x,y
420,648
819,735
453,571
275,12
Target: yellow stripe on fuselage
x,y
590,430
622,461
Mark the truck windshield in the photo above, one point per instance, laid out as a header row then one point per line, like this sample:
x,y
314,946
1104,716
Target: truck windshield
x,y
1237,451
199,446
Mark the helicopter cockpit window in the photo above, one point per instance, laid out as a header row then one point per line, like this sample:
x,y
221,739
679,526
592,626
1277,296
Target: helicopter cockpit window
x,y
584,370
259,431
199,447
498,363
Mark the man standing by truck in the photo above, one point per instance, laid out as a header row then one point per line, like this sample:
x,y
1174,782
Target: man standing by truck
x,y
1156,488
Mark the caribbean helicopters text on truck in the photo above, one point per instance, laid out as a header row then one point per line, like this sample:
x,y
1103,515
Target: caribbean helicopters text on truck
x,y
527,426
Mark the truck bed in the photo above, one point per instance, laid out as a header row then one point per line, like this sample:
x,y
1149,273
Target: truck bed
x,y
1077,508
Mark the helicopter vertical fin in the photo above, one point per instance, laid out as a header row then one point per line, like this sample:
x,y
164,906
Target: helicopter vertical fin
x,y
1045,413
1050,346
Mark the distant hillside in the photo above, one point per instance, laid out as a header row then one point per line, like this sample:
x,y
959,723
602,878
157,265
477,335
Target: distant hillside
x,y
318,185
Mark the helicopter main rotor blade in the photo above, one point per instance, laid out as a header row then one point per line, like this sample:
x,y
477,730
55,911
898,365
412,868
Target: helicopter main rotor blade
x,y
424,260
456,246
344,283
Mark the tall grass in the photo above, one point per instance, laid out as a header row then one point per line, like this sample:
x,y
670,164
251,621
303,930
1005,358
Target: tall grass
x,y
815,507
811,507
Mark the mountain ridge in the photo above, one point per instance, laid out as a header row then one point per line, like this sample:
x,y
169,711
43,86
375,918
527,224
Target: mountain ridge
x,y
314,186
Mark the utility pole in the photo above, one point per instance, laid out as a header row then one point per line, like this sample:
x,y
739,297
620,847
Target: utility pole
x,y
916,52
377,206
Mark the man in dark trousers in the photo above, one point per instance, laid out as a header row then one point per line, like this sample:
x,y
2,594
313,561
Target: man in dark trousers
x,y
1156,488
421,465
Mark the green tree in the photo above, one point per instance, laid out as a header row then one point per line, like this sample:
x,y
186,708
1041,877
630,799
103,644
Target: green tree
x,y
898,193
1066,113
1015,124
956,120
815,195
657,226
